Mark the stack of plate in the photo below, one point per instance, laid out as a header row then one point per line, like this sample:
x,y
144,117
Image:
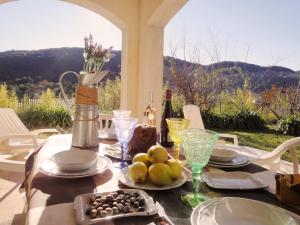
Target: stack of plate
x,y
74,164
226,158
237,211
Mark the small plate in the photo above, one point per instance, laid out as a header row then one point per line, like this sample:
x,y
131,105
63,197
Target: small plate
x,y
236,211
81,203
50,168
222,155
125,179
232,180
237,162
114,151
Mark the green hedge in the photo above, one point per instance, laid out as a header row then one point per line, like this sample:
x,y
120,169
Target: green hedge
x,y
245,120
38,117
290,126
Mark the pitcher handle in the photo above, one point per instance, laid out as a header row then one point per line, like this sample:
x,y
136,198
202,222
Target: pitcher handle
x,y
68,103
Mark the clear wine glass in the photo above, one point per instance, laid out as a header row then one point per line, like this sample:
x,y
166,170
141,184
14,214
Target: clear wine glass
x,y
124,128
176,125
198,146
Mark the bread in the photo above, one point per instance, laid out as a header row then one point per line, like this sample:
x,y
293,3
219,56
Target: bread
x,y
143,138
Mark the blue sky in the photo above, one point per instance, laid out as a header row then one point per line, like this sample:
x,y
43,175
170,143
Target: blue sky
x,y
264,32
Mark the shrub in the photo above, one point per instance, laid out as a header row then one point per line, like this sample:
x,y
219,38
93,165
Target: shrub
x,y
38,117
244,120
290,126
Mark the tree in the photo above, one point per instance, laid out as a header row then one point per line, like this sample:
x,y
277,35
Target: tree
x,y
4,97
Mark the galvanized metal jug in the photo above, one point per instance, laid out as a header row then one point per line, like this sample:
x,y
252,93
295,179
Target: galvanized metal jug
x,y
85,130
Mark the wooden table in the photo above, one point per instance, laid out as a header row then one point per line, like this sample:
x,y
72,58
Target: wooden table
x,y
50,199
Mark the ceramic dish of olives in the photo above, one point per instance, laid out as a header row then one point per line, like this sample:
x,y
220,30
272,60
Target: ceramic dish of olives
x,y
96,207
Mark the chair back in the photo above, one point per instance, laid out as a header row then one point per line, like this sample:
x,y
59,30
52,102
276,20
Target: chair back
x,y
289,145
192,112
10,123
105,121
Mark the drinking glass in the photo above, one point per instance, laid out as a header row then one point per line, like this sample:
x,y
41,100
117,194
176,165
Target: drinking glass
x,y
176,125
198,146
124,128
121,113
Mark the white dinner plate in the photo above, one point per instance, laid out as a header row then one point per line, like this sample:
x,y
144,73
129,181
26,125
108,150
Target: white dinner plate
x,y
81,203
232,180
240,211
125,179
237,162
50,168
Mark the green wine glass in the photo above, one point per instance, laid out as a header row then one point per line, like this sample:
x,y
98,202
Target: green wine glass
x,y
198,146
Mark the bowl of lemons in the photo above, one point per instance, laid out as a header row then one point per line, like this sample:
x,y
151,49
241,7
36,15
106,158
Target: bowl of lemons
x,y
153,171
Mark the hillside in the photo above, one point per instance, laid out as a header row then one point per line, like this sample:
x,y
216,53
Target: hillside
x,y
19,67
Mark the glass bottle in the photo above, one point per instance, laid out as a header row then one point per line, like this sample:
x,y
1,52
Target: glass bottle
x,y
165,139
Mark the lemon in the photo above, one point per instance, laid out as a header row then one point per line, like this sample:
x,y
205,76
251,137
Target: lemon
x,y
160,174
157,154
175,167
138,172
142,157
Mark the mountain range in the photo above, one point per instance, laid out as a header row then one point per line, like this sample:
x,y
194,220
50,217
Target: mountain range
x,y
17,67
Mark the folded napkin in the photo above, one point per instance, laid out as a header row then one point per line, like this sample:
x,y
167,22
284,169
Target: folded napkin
x,y
288,188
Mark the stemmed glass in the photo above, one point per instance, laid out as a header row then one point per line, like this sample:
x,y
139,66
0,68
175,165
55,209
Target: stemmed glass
x,y
198,146
176,125
124,128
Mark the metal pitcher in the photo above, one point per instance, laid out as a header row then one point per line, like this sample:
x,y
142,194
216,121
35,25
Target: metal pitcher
x,y
85,130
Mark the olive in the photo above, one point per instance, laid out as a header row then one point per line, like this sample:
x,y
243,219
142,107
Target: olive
x,y
120,207
122,197
103,213
123,202
102,199
109,198
136,204
109,211
98,206
115,210
88,210
114,194
126,209
94,204
115,204
99,210
136,194
118,199
127,204
93,213
142,202
132,199
92,199
141,209
105,206
120,192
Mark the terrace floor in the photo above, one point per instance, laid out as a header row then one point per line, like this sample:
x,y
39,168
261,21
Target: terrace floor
x,y
11,201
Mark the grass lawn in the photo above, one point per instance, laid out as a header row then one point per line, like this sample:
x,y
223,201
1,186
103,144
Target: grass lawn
x,y
264,140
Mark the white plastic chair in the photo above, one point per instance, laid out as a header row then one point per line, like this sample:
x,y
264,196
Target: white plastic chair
x,y
271,160
106,128
14,134
192,112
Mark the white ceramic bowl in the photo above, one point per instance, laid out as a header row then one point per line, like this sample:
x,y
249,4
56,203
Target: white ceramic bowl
x,y
75,159
222,155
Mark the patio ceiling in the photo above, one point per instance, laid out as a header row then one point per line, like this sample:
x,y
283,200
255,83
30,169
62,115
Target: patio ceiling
x,y
142,23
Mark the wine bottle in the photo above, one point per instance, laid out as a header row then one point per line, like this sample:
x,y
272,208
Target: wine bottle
x,y
168,113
